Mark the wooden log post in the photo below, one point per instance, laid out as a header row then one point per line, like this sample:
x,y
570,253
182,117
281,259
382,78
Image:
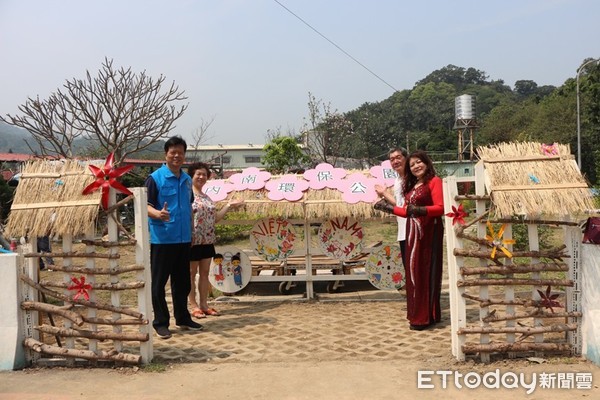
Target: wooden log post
x,y
536,313
97,285
515,269
518,346
98,335
52,309
98,271
85,303
514,282
40,347
517,329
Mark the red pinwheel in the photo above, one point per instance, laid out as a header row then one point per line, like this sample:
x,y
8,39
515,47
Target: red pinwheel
x,y
81,287
106,177
458,215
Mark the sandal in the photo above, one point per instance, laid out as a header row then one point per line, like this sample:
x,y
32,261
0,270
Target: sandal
x,y
198,313
211,311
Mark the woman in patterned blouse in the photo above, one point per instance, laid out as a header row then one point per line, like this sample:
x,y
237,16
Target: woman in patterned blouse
x,y
205,215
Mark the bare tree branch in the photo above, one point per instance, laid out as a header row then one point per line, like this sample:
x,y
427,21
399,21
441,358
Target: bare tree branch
x,y
119,110
199,136
327,133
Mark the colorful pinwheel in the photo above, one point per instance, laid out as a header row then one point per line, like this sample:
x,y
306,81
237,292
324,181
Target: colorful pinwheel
x,y
81,287
458,214
106,177
497,242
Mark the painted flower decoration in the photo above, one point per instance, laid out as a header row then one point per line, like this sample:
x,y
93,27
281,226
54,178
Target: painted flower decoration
x,y
458,214
497,242
397,277
81,287
106,177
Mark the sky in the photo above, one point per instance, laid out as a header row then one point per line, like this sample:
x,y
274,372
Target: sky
x,y
249,65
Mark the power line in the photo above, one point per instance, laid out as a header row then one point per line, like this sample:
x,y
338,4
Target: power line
x,y
338,47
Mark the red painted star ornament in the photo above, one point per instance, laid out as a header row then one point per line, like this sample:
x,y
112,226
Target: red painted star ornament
x,y
458,214
106,177
81,287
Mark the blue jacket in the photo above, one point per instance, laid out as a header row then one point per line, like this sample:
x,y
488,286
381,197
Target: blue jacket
x,y
163,187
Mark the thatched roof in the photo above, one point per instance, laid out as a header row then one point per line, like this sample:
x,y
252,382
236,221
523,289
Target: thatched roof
x,y
48,200
315,204
532,179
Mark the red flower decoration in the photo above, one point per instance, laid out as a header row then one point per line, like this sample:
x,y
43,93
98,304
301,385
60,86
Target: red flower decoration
x,y
106,177
458,215
81,287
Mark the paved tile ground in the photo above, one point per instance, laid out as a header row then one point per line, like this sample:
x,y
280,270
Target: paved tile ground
x,y
275,328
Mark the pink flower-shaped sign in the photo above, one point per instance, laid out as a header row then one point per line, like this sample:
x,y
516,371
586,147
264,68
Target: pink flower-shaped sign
x,y
357,187
384,173
217,189
250,179
324,175
288,187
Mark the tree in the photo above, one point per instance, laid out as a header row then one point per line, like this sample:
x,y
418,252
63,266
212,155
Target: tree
x,y
456,76
526,87
6,196
283,154
327,134
118,110
199,136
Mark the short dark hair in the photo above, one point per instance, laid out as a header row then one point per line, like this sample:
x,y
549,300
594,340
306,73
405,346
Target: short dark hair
x,y
398,149
199,165
175,141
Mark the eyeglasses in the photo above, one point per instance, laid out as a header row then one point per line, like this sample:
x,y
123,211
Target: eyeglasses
x,y
399,158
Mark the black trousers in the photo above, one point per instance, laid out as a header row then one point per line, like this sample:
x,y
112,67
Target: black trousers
x,y
170,261
402,244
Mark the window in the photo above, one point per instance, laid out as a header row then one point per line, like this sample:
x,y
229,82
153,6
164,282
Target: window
x,y
252,159
224,159
466,170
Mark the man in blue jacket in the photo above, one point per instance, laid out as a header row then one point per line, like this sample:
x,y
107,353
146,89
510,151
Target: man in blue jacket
x,y
170,221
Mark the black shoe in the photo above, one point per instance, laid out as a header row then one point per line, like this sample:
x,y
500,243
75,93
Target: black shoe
x,y
420,327
192,326
163,332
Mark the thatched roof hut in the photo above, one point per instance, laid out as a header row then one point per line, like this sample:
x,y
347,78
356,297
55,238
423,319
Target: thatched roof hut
x,y
48,200
532,179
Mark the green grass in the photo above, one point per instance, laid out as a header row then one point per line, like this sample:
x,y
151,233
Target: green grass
x,y
154,367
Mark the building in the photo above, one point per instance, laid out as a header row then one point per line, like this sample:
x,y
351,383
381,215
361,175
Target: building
x,y
228,157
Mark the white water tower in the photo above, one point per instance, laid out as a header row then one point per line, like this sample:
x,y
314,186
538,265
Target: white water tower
x,y
465,123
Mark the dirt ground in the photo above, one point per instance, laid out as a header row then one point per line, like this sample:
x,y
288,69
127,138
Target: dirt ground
x,y
302,350
351,345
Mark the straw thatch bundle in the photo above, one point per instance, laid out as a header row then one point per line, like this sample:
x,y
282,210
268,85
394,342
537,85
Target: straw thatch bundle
x,y
48,200
523,180
324,203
